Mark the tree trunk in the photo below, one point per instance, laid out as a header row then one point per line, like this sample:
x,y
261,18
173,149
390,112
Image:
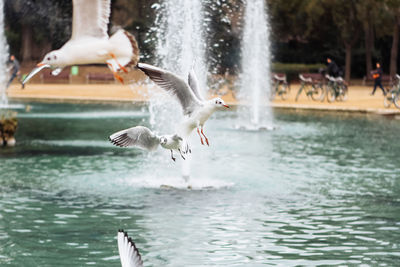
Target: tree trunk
x,y
369,46
26,43
394,51
347,72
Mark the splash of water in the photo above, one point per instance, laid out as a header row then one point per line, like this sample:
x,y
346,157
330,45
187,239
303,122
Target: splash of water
x,y
3,59
180,39
180,45
255,76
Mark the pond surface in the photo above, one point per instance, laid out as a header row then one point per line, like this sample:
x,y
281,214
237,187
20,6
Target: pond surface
x,y
319,190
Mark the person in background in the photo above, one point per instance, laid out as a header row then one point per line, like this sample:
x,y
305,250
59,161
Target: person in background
x,y
377,75
332,68
14,68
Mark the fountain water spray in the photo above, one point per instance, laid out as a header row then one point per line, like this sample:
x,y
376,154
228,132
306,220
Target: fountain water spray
x,y
3,59
255,76
180,44
180,40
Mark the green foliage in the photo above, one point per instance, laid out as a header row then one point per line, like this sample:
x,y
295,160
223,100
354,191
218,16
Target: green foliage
x,y
309,30
305,31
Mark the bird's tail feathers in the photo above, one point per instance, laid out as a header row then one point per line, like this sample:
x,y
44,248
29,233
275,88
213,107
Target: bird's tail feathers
x,y
126,42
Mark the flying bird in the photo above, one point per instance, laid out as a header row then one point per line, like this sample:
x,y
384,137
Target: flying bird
x,y
128,252
142,137
195,109
90,43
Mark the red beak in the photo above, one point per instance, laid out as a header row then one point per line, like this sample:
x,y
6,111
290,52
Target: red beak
x,y
226,106
40,64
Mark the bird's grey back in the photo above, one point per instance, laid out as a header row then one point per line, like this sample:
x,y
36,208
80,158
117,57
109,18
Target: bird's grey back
x,y
174,85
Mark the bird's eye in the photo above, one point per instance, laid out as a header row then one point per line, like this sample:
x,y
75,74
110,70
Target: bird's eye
x,y
48,58
55,57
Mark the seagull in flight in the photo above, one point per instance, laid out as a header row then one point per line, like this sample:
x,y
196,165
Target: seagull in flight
x,y
142,137
195,109
90,43
128,252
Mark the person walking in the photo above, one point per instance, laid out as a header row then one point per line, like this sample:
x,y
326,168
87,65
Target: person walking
x,y
14,68
377,76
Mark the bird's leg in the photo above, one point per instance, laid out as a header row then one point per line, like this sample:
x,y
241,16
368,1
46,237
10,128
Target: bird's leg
x,y
205,137
181,154
201,138
119,78
188,148
119,65
172,155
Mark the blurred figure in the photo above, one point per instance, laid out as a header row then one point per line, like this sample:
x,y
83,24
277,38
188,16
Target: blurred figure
x,y
332,69
8,127
14,68
377,75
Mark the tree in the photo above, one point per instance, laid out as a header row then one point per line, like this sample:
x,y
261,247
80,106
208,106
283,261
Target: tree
x,y
38,23
344,15
393,8
367,14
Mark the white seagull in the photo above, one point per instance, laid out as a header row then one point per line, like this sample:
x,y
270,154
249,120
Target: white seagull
x,y
142,137
195,108
128,253
90,43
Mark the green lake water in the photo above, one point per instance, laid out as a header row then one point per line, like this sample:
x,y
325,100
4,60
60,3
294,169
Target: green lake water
x,y
321,189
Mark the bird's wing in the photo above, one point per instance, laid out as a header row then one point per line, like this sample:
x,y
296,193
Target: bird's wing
x,y
194,84
90,18
128,253
138,136
176,137
174,85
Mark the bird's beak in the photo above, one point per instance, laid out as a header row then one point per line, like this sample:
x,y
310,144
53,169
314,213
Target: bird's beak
x,y
226,106
38,68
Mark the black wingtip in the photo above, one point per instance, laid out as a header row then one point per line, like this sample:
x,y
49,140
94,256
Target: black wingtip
x,y
114,142
138,257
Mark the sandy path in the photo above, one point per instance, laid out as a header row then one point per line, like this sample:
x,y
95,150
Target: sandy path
x,y
94,92
359,99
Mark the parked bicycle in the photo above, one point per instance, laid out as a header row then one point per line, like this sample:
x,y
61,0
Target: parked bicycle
x,y
280,86
393,96
336,89
313,89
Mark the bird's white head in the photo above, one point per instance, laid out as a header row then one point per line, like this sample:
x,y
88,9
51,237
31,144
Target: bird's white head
x,y
52,58
163,140
219,103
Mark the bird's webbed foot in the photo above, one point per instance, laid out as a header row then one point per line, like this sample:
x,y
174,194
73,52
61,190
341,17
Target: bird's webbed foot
x,y
119,65
205,137
180,152
116,76
201,138
187,149
172,156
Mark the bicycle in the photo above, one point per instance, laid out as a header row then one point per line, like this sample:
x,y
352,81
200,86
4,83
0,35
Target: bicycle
x,y
312,89
280,87
393,96
336,89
